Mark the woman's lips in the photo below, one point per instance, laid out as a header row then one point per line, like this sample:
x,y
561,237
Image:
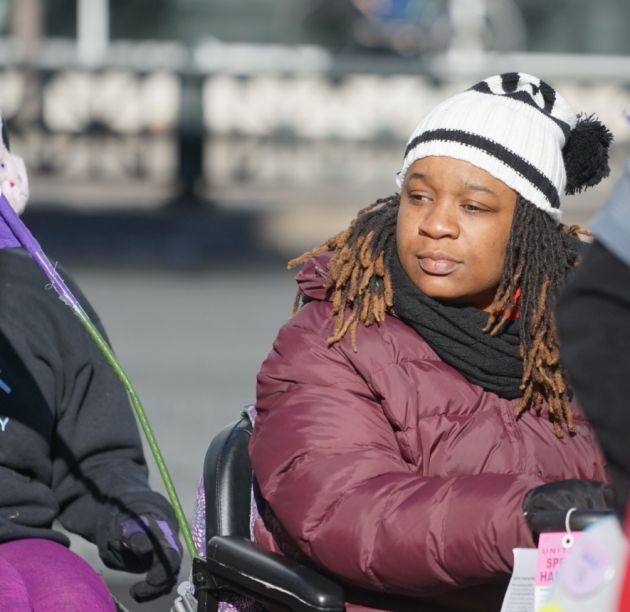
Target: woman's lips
x,y
437,264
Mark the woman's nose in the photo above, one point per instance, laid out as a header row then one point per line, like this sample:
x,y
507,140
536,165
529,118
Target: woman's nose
x,y
439,222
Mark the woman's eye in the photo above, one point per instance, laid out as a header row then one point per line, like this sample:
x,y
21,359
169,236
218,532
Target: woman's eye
x,y
472,207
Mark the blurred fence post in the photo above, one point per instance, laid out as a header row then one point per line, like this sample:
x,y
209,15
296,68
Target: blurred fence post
x,y
468,19
27,32
26,26
190,140
92,30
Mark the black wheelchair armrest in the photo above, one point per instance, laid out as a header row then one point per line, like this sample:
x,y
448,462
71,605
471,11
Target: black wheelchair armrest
x,y
554,520
236,565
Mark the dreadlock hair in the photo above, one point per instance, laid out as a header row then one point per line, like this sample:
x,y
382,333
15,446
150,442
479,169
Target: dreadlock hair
x,y
538,256
358,275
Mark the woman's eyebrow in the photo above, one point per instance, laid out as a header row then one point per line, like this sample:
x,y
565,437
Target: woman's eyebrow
x,y
466,186
417,175
474,187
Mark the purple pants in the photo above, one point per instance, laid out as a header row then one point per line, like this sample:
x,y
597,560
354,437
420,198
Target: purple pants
x,y
40,575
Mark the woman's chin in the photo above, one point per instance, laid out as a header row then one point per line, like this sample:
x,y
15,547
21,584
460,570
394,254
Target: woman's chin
x,y
441,288
454,297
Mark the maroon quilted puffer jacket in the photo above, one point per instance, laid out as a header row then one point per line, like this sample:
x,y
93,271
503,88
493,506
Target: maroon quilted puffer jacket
x,y
392,471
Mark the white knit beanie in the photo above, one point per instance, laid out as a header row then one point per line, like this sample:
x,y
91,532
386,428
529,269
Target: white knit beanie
x,y
521,131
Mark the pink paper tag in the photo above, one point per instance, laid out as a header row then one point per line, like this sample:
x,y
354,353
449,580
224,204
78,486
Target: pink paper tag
x,y
552,549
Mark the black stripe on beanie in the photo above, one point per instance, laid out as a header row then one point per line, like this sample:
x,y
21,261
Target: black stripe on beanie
x,y
518,164
509,81
482,87
549,96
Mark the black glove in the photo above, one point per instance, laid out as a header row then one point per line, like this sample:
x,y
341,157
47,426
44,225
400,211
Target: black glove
x,y
566,494
147,544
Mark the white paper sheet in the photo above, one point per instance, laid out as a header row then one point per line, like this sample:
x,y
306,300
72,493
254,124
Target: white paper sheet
x,y
519,596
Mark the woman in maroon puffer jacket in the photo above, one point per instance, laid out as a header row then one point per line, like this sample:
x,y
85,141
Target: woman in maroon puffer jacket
x,y
415,405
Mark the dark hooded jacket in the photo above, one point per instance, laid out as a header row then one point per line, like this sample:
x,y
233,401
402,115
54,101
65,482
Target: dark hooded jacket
x,y
69,445
390,470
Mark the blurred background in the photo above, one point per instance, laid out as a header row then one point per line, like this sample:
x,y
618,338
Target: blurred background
x,y
180,151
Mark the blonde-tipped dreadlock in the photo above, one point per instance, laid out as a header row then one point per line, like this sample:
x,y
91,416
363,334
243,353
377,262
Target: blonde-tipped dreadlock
x,y
358,274
538,258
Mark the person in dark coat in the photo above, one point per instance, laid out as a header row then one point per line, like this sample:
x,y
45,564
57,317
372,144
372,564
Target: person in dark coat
x,y
70,450
594,328
414,408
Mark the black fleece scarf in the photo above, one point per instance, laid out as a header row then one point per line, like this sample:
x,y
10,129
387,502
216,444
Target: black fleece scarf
x,y
455,333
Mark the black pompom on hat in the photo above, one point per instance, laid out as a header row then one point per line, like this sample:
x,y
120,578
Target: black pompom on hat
x,y
586,154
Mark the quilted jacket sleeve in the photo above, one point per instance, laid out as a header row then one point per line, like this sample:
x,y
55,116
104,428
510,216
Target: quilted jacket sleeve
x,y
328,464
